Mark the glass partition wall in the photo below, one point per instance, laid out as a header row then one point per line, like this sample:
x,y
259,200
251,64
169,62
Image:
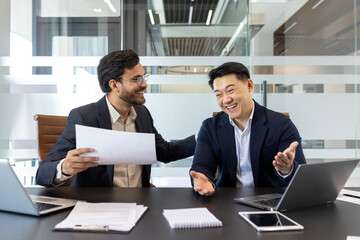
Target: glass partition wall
x,y
302,54
307,53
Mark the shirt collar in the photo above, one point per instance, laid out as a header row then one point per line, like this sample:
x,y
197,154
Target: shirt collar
x,y
248,122
114,115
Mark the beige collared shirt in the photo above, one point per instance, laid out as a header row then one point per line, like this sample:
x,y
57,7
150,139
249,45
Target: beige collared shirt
x,y
125,175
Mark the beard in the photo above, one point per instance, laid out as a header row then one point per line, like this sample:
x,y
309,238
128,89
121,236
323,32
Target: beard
x,y
133,97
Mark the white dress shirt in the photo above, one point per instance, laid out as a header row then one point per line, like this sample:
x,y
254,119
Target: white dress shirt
x,y
244,175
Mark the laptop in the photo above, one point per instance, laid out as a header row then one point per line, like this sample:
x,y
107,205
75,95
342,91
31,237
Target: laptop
x,y
14,198
312,184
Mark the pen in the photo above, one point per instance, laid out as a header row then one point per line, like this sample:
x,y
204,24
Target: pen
x,y
91,228
349,195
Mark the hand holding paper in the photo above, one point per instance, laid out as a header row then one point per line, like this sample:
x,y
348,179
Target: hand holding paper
x,y
116,147
75,163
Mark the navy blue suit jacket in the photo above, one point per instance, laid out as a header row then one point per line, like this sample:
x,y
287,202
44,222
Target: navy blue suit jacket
x,y
271,132
97,115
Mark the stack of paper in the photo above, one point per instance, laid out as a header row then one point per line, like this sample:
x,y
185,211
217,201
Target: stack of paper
x,y
191,218
349,196
102,217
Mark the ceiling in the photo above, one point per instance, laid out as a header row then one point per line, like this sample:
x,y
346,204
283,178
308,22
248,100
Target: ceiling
x,y
178,11
289,27
319,27
181,27
80,8
276,27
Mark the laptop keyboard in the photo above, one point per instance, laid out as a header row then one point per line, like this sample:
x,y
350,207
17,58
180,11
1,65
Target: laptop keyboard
x,y
44,206
269,202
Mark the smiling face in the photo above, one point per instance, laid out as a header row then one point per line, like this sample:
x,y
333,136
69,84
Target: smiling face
x,y
234,97
130,92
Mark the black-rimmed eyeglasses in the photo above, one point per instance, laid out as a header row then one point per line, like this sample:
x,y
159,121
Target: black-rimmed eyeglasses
x,y
138,80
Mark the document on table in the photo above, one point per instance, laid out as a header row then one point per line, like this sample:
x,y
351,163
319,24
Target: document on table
x,y
103,217
351,196
116,147
352,238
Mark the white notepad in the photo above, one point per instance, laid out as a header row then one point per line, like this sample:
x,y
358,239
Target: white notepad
x,y
191,218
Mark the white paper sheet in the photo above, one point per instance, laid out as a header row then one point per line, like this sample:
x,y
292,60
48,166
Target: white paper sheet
x,y
353,238
96,216
117,147
350,196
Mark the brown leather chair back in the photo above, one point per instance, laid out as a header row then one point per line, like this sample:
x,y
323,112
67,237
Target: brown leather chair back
x,y
286,114
49,128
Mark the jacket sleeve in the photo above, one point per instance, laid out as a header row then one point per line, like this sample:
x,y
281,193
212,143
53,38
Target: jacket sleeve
x,y
289,135
47,169
205,160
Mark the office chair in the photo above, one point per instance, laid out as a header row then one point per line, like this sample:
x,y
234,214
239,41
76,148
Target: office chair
x,y
49,129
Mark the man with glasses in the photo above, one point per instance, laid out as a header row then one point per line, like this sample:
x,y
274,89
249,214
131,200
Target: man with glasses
x,y
123,79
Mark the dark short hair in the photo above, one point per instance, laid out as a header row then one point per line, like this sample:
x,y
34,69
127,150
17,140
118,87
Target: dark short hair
x,y
241,72
113,65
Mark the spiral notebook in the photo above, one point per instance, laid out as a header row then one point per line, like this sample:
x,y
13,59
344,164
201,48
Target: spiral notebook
x,y
191,218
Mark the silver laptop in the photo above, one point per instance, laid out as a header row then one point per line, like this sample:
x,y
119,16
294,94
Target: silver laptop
x,y
312,184
14,198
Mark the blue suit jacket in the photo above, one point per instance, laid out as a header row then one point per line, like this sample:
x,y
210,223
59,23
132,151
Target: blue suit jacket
x,y
271,132
97,115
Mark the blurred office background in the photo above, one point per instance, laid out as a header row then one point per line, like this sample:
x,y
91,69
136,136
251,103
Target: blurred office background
x,y
303,56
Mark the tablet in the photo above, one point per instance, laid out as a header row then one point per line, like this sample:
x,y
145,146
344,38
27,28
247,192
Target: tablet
x,y
270,221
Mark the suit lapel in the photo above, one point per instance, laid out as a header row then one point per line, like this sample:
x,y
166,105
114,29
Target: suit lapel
x,y
103,117
140,124
227,140
258,133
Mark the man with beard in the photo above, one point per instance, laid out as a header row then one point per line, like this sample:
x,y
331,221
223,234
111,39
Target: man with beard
x,y
123,79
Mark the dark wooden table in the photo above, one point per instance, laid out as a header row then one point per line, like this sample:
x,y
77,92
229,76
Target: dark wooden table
x,y
332,221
